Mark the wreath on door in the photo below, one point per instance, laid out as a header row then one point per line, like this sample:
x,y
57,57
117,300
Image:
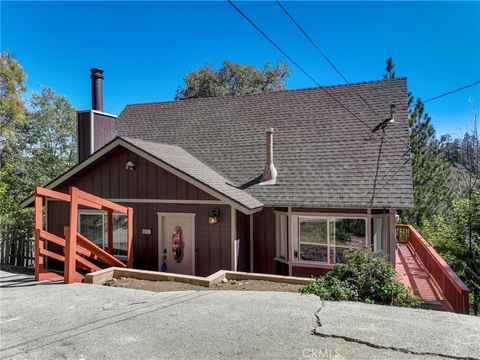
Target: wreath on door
x,y
178,245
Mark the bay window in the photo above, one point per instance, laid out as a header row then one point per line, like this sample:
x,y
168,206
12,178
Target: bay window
x,y
313,239
327,239
94,226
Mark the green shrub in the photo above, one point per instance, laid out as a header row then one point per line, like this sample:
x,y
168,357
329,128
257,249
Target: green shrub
x,y
363,277
343,235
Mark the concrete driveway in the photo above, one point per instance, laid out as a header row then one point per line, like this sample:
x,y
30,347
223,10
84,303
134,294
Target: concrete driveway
x,y
80,321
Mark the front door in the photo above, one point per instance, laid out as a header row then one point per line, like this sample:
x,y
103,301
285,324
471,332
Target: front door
x,y
176,243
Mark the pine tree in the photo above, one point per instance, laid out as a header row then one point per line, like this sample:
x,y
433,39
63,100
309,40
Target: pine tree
x,y
430,168
390,74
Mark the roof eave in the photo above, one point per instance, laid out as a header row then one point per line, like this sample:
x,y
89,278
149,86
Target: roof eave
x,y
118,141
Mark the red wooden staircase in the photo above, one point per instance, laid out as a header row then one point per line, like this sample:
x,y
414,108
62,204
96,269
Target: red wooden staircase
x,y
80,255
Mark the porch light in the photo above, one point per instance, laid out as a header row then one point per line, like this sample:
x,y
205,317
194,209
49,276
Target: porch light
x,y
129,166
214,216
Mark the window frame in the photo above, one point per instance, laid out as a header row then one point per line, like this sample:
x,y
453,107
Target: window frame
x,y
104,222
329,220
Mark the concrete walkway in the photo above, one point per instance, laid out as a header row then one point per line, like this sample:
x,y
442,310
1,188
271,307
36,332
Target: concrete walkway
x,y
80,321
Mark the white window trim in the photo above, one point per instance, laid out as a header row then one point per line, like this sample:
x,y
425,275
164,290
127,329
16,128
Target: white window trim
x,y
296,234
105,239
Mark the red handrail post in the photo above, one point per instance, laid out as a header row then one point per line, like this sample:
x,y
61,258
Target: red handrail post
x,y
71,238
76,247
38,239
129,237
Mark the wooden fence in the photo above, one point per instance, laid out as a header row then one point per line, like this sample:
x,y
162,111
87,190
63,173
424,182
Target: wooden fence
x,y
17,247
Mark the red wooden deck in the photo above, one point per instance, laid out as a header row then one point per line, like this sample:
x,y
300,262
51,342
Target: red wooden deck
x,y
412,273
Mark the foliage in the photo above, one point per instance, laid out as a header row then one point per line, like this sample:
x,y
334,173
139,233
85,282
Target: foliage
x,y
450,240
431,172
343,235
12,106
44,147
233,79
363,277
446,183
389,74
463,152
457,236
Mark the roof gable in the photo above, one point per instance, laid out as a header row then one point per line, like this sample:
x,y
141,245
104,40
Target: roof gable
x,y
175,160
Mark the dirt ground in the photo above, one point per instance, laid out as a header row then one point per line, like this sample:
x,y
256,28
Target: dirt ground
x,y
242,285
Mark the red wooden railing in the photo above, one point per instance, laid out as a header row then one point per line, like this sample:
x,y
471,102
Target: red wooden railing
x,y
78,251
455,291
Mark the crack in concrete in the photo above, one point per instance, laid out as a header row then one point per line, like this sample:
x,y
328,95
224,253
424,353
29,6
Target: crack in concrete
x,y
317,316
377,346
392,348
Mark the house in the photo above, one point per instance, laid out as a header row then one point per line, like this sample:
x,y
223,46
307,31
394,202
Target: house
x,y
281,182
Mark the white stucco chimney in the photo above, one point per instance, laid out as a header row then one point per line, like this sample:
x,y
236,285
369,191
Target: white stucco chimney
x,y
269,176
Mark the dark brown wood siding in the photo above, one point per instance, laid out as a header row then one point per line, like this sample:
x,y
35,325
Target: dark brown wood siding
x,y
264,246
109,179
308,272
212,242
57,218
243,233
83,135
104,130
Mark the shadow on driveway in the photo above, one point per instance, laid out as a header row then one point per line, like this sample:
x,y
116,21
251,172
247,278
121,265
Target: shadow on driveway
x,y
9,280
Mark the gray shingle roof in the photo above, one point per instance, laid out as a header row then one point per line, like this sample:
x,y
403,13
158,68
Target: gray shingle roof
x,y
181,160
320,151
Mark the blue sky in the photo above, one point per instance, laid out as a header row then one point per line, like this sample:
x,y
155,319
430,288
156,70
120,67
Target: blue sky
x,y
145,48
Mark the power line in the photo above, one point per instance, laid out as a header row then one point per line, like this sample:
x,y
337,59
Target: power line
x,y
382,124
272,42
445,94
391,177
296,64
395,164
313,79
409,150
323,54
